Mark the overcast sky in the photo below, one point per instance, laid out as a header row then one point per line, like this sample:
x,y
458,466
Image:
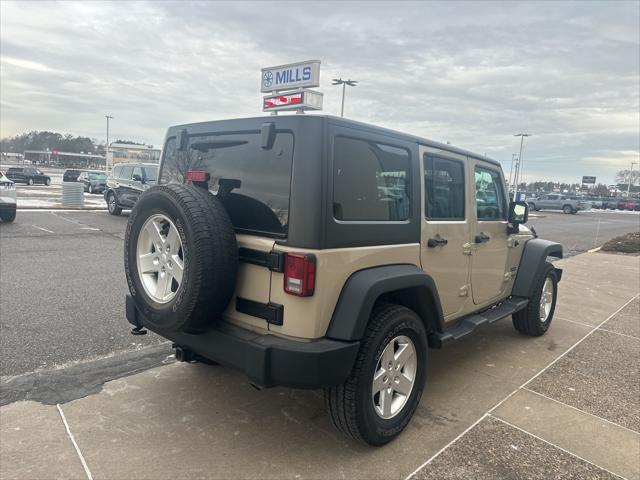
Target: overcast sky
x,y
470,73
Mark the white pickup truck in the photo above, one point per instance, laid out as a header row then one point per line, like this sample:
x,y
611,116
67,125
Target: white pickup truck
x,y
556,201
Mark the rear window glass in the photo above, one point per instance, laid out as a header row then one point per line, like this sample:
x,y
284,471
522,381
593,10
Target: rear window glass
x,y
254,183
370,181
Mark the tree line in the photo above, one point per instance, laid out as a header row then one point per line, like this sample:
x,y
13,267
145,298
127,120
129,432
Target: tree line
x,y
36,140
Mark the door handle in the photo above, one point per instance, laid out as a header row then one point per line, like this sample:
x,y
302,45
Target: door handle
x,y
436,242
482,238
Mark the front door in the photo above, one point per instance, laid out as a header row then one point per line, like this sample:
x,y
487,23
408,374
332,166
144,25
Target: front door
x,y
489,238
445,249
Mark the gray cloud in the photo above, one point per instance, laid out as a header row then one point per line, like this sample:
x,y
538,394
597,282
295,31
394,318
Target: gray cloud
x,y
472,73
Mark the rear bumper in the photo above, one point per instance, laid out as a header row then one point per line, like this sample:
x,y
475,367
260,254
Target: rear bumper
x,y
267,360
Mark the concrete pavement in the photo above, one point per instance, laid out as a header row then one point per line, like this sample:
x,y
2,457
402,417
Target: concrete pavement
x,y
497,405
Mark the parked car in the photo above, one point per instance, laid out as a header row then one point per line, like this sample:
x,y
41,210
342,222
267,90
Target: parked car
x,y
629,204
557,201
8,201
71,175
28,175
94,181
269,246
610,203
126,183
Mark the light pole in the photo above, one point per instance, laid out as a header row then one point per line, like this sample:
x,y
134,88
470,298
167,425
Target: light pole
x,y
513,160
630,178
519,170
106,150
344,83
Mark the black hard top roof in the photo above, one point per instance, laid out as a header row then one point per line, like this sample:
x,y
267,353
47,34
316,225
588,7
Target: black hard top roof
x,y
345,122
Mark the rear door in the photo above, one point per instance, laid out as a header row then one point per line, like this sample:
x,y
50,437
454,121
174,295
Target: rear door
x,y
444,246
253,182
489,237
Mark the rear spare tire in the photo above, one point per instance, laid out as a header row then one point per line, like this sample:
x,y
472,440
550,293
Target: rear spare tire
x,y
180,258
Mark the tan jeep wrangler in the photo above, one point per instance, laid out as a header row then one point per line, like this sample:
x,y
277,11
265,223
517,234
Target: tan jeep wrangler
x,y
316,252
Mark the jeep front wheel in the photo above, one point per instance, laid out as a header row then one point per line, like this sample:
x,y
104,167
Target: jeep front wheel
x,y
536,318
181,258
378,399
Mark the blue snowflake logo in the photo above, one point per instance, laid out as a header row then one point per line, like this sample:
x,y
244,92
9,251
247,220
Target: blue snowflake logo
x,y
267,79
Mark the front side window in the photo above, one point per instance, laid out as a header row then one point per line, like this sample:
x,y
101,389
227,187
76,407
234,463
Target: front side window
x,y
370,181
490,203
444,188
126,173
151,173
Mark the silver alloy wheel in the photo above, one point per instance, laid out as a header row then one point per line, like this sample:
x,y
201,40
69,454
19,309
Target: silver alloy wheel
x,y
394,377
546,300
160,258
90,189
112,202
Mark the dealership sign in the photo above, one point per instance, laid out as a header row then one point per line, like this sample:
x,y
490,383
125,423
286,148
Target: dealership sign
x,y
591,180
294,75
288,87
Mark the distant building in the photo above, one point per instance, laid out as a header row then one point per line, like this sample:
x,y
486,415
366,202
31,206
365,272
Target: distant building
x,y
125,153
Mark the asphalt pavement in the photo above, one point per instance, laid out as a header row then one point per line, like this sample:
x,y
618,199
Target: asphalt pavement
x,y
62,287
62,284
585,230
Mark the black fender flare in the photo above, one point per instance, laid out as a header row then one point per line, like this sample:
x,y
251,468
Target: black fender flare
x,y
532,263
362,289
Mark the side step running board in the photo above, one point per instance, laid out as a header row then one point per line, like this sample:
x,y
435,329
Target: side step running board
x,y
469,324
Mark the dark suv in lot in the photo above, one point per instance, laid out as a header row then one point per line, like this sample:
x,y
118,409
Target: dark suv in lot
x,y
28,175
126,183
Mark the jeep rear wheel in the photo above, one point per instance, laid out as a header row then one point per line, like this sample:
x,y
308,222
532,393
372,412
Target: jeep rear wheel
x,y
181,258
384,388
536,318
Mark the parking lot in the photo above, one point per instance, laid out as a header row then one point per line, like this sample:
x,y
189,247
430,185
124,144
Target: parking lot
x,y
492,400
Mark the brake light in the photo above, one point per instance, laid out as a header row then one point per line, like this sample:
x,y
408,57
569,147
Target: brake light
x,y
299,274
197,176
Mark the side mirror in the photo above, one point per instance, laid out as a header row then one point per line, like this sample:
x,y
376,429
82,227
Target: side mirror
x,y
518,213
137,178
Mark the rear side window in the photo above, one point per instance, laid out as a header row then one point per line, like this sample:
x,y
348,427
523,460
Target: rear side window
x,y
370,181
444,188
254,183
490,202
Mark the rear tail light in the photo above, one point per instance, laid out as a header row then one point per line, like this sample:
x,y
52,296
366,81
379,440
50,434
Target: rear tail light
x,y
299,274
197,176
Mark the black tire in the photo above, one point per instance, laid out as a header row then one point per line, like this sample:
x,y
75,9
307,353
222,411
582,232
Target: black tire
x,y
112,204
7,216
567,209
30,181
532,206
210,253
47,182
350,404
528,321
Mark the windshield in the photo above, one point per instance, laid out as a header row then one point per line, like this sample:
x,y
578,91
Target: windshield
x,y
253,182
